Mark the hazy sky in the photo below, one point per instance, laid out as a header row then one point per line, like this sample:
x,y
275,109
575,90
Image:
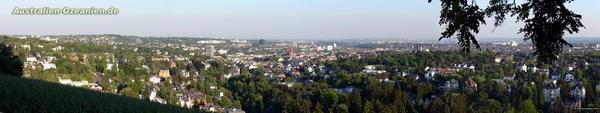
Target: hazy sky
x,y
269,19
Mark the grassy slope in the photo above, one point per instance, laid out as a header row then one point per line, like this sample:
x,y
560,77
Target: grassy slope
x,y
24,95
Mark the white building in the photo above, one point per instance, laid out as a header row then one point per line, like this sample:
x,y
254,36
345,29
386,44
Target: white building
x,y
31,59
155,79
47,65
329,48
429,74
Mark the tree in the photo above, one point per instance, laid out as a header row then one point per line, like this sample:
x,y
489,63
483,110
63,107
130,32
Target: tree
x,y
546,22
329,99
341,108
488,106
368,108
10,63
355,102
463,19
128,91
527,106
262,42
318,108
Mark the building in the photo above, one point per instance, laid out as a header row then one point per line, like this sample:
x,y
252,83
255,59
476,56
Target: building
x,y
470,83
48,65
155,79
577,97
551,91
554,74
429,74
510,77
291,51
210,51
233,110
569,77
164,74
73,58
451,85
155,98
172,64
373,69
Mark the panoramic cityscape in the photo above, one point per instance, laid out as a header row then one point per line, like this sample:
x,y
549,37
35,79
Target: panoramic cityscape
x,y
453,56
228,75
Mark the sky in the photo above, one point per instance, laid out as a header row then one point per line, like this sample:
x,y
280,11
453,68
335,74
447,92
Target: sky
x,y
259,19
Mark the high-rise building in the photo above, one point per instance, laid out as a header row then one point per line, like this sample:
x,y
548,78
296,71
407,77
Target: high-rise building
x,y
210,50
291,51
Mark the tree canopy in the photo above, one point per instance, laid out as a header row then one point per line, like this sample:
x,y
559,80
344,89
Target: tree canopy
x,y
546,22
10,63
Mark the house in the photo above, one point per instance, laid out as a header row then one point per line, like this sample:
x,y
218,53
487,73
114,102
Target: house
x,y
470,83
48,65
73,58
155,98
185,73
429,74
382,78
185,102
472,67
31,59
503,58
172,64
27,47
58,48
497,60
524,68
346,90
451,85
109,66
373,69
234,110
458,67
532,68
412,76
64,81
509,77
96,87
576,98
155,79
164,74
570,68
189,99
80,83
554,75
551,91
371,72
578,92
569,77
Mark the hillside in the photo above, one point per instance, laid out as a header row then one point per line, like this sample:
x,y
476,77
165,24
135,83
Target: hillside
x,y
25,95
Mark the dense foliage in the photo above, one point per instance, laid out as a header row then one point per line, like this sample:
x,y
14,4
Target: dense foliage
x,y
546,22
10,63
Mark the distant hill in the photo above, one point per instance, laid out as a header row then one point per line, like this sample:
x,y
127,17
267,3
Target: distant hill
x,y
19,95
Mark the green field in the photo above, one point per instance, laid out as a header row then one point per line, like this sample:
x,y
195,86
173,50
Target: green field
x,y
19,95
